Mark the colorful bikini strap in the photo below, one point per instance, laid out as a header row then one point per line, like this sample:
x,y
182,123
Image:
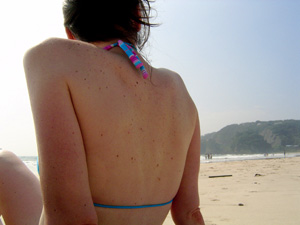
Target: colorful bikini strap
x,y
130,52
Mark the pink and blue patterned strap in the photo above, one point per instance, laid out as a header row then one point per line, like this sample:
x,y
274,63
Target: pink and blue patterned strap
x,y
130,52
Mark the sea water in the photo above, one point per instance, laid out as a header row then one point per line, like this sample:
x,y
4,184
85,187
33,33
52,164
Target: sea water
x,y
241,157
31,161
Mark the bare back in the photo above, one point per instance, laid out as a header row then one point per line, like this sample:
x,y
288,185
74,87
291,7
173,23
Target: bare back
x,y
132,134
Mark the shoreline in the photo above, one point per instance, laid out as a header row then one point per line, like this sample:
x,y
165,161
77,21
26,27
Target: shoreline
x,y
221,160
217,157
242,157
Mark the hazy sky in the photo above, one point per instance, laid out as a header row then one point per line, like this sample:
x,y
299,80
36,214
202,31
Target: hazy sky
x,y
240,59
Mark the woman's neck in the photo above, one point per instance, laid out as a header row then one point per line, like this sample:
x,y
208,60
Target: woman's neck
x,y
102,44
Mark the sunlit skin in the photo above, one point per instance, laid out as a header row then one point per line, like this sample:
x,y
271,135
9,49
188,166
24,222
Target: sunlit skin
x,y
106,135
127,140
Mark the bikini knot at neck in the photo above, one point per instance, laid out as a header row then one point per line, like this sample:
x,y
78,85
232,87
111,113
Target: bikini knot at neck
x,y
130,52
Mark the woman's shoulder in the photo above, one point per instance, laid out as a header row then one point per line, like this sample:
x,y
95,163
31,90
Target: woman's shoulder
x,y
171,79
55,48
168,77
58,55
174,83
59,43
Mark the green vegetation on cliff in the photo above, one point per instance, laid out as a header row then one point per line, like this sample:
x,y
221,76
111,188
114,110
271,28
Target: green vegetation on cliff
x,y
257,137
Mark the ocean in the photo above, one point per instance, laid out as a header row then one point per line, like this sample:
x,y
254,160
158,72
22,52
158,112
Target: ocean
x,y
31,161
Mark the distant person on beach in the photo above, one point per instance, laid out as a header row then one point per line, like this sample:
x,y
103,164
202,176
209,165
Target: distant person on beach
x,y
118,140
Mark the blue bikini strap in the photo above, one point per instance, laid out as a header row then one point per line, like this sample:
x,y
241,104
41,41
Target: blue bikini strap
x,y
131,207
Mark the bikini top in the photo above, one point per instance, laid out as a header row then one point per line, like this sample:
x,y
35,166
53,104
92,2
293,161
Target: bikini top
x,y
131,206
129,49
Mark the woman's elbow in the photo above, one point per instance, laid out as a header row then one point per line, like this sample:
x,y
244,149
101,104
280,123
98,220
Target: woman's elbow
x,y
193,217
196,217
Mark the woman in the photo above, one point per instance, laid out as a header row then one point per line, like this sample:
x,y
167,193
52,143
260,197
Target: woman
x,y
118,140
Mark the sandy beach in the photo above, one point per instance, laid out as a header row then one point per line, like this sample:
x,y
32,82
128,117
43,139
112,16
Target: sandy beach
x,y
260,192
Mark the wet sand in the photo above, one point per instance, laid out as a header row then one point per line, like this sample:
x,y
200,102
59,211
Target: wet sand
x,y
260,192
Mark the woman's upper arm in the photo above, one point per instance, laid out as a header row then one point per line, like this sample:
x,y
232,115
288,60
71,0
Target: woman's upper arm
x,y
187,198
63,168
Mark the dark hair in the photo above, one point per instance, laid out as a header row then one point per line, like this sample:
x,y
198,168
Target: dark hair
x,y
103,20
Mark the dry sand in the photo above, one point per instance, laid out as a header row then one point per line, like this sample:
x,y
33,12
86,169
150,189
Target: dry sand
x,y
272,197
260,192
